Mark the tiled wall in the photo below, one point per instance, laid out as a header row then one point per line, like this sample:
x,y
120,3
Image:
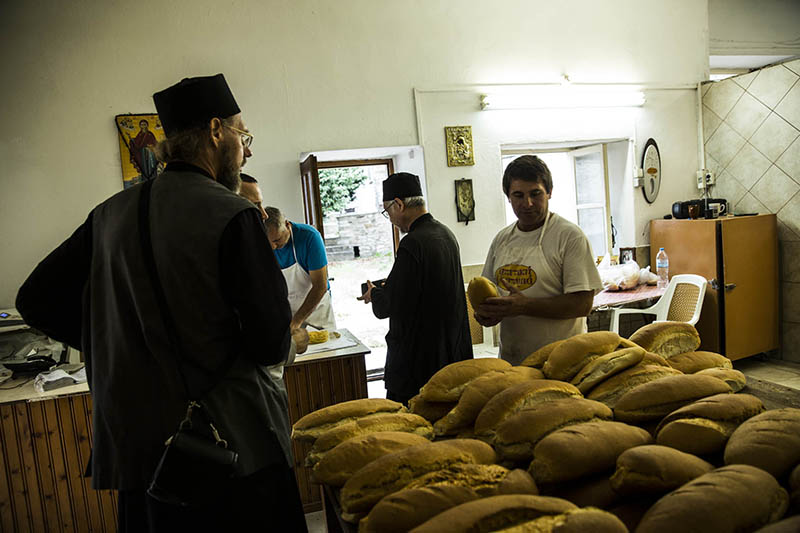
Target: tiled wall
x,y
751,131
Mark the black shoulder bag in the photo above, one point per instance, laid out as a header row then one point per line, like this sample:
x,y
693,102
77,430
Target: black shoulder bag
x,y
196,457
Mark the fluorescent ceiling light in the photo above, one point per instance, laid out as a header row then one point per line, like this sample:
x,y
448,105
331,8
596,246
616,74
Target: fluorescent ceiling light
x,y
569,96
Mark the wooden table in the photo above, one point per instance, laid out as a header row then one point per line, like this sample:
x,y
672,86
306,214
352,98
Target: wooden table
x,y
316,381
607,299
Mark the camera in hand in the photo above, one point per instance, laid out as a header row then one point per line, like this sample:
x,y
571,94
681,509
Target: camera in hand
x,y
377,283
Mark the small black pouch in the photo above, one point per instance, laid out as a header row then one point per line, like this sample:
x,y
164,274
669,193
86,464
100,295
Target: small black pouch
x,y
191,464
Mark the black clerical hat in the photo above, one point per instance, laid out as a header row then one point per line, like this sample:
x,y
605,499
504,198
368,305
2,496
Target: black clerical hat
x,y
192,102
401,185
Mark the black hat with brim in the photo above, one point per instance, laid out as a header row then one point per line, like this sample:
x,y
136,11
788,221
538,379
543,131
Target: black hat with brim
x,y
401,185
193,102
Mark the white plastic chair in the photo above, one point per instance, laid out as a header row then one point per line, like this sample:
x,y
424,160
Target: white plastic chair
x,y
681,302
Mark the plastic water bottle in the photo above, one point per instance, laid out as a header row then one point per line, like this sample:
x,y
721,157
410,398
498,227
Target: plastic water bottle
x,y
662,268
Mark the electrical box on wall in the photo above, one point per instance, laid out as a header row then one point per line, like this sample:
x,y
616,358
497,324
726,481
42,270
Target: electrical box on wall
x,y
705,178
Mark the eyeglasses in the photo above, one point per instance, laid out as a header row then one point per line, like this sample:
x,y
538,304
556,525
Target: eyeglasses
x,y
385,210
247,138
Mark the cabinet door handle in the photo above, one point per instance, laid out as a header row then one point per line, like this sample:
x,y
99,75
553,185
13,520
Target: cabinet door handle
x,y
730,286
714,284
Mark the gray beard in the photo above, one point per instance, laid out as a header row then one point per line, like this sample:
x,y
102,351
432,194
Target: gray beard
x,y
229,173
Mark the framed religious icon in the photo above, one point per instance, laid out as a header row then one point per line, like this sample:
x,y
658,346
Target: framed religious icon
x,y
138,134
627,254
465,201
459,146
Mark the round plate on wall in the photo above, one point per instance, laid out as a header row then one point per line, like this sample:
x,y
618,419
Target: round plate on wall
x,y
651,168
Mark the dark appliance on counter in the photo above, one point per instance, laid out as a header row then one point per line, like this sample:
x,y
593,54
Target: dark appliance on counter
x,y
681,209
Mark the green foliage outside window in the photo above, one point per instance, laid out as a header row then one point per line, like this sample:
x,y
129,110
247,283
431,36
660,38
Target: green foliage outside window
x,y
337,187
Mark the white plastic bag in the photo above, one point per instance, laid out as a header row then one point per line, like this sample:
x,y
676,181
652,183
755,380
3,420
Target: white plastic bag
x,y
618,277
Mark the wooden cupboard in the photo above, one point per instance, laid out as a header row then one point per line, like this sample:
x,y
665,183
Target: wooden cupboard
x,y
739,258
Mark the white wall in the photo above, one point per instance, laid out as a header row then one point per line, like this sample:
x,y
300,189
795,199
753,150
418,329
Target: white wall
x,y
309,75
669,116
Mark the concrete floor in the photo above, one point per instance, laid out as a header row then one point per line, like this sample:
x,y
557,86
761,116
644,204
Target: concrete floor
x,y
780,372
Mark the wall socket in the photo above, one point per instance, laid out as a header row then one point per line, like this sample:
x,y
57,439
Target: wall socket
x,y
705,178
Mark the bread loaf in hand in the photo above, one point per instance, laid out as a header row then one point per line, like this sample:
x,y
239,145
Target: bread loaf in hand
x,y
312,425
447,384
479,289
731,498
667,339
703,427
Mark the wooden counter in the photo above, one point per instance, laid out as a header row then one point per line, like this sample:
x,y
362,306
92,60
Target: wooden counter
x,y
316,381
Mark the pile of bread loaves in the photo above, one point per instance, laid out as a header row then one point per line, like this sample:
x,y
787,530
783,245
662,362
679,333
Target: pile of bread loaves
x,y
594,433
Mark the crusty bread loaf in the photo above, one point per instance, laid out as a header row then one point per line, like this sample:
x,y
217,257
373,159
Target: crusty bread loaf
x,y
655,469
583,449
392,472
486,480
605,366
516,437
569,357
667,339
516,398
691,362
735,379
479,289
336,466
612,389
477,393
787,525
656,399
651,358
406,509
575,521
448,382
538,358
588,491
794,489
406,422
732,498
770,441
703,427
313,424
493,513
430,411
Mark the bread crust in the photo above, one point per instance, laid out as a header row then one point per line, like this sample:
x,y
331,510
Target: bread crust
x,y
336,466
731,498
430,411
392,472
656,399
612,389
493,513
735,379
447,384
516,398
583,449
479,289
477,393
577,521
605,366
309,427
691,362
517,436
667,339
538,358
655,469
408,508
569,357
770,441
703,427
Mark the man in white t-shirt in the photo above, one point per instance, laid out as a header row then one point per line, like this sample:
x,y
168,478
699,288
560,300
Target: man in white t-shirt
x,y
543,265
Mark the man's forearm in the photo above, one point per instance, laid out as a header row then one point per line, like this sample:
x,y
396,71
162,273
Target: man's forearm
x,y
572,305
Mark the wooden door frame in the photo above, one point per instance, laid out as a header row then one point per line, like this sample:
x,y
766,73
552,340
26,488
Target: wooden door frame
x,y
364,163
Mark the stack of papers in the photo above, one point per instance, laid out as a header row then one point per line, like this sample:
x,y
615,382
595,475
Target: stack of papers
x,y
55,379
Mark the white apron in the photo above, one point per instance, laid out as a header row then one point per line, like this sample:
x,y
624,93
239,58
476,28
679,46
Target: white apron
x,y
527,268
299,283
